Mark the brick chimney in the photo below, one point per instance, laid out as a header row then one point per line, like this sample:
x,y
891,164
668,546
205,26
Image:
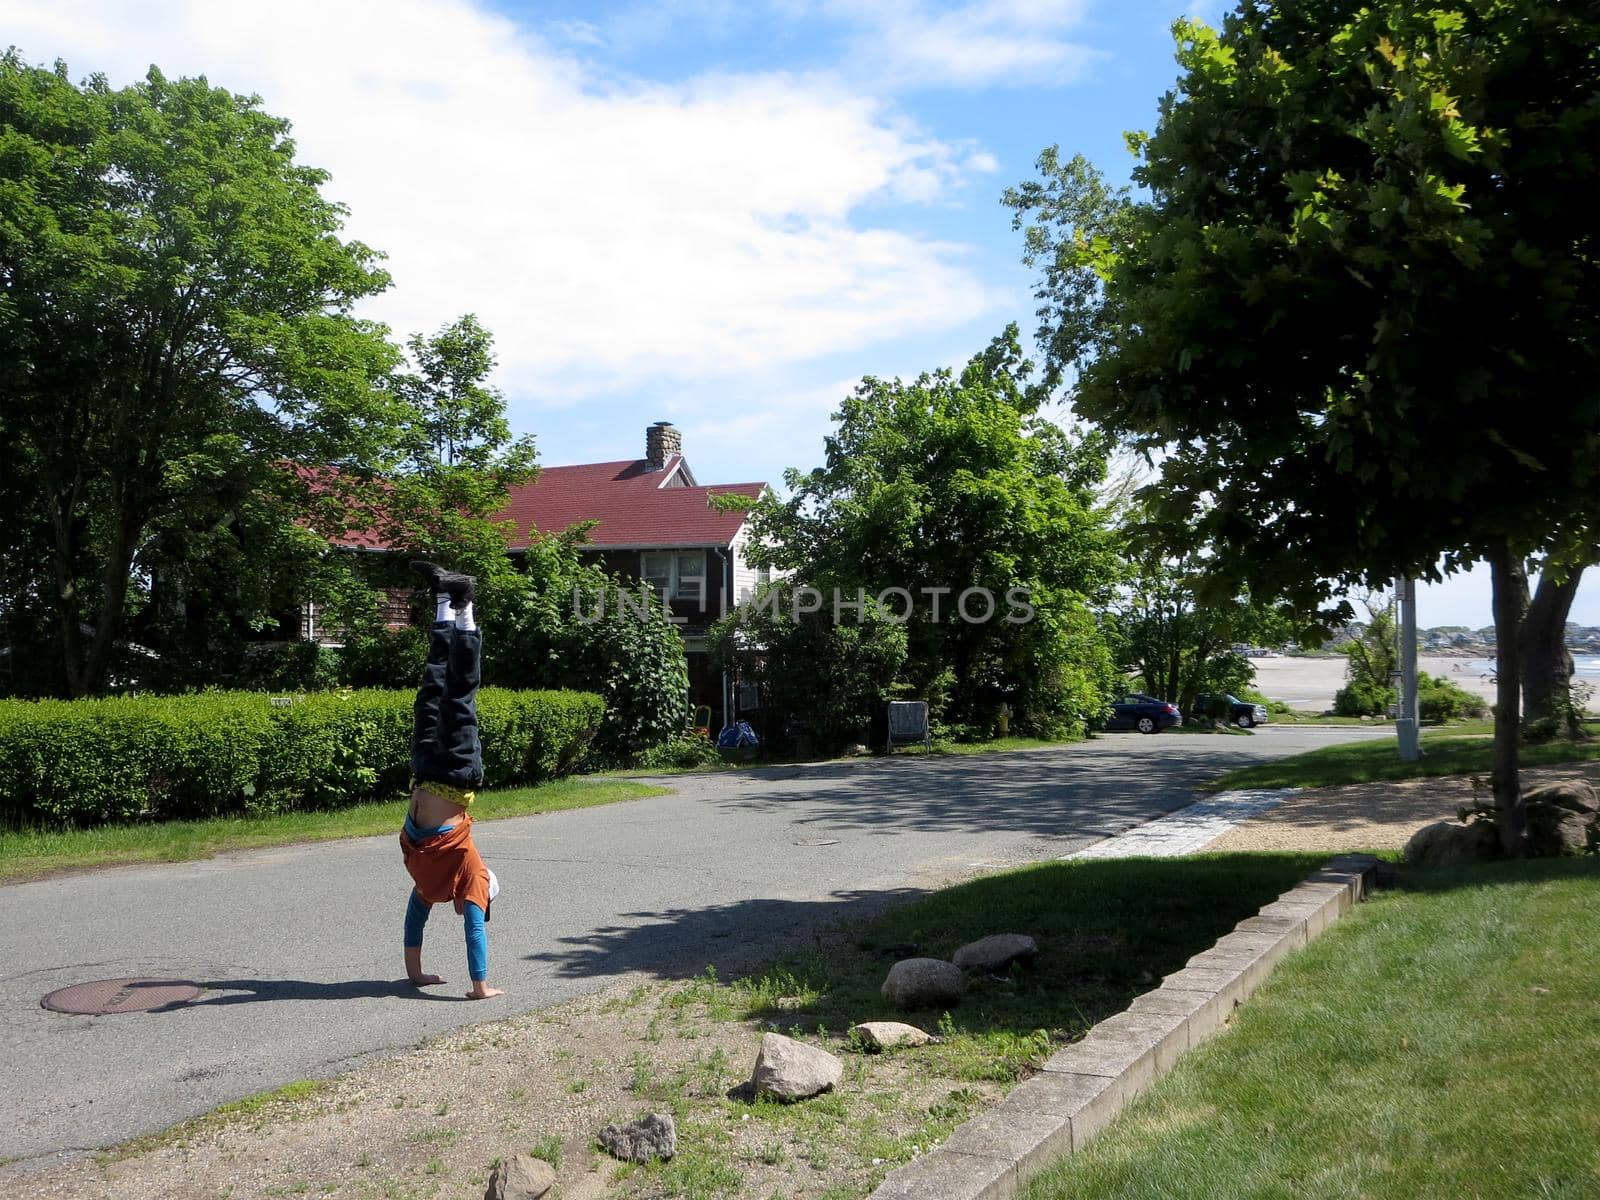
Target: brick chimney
x,y
661,441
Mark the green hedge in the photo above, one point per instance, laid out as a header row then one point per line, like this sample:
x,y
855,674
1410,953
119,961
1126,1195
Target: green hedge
x,y
80,763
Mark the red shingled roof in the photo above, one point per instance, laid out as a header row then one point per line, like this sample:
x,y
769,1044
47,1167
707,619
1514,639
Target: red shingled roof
x,y
628,501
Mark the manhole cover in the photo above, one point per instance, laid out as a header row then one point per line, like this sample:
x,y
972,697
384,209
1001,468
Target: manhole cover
x,y
101,996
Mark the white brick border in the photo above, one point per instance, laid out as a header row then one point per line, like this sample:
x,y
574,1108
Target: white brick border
x,y
1187,829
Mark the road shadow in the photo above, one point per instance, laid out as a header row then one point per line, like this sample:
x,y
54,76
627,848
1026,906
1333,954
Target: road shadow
x,y
1092,790
678,943
222,992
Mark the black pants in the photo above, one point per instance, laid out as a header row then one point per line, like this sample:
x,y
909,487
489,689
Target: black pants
x,y
444,735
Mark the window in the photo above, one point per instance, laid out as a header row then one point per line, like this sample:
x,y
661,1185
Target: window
x,y
656,570
676,575
691,577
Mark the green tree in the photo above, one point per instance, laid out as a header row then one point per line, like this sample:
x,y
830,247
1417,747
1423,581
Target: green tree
x,y
175,325
1372,662
454,462
1355,312
821,682
950,482
1181,640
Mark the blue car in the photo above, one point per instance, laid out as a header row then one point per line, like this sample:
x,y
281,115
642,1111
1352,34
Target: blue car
x,y
1144,713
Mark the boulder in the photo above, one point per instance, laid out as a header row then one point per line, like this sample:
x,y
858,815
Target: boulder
x,y
1573,795
521,1177
654,1136
996,952
1450,844
922,983
886,1035
1554,830
791,1070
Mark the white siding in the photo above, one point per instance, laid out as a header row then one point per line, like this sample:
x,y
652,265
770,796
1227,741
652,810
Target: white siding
x,y
744,575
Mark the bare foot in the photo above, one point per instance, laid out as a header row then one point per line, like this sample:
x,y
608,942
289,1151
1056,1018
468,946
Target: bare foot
x,y
482,991
426,980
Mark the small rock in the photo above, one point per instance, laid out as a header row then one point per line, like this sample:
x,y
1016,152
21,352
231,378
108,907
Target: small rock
x,y
922,983
521,1177
1449,844
886,1035
654,1136
996,952
791,1070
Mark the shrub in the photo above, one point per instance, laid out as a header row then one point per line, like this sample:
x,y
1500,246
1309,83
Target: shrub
x,y
1362,699
962,734
247,667
1438,699
533,637
384,658
688,750
1251,696
91,762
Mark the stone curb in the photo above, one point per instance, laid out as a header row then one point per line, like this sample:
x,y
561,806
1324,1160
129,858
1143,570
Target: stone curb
x,y
1085,1085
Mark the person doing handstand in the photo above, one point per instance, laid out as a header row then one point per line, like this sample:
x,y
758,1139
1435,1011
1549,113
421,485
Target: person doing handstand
x,y
446,768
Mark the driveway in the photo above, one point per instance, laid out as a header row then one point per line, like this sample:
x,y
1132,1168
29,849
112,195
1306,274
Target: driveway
x,y
299,947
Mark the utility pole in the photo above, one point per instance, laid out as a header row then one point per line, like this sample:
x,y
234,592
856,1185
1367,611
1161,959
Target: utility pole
x,y
1407,724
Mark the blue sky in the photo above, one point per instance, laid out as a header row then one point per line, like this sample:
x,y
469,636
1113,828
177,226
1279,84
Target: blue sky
x,y
722,214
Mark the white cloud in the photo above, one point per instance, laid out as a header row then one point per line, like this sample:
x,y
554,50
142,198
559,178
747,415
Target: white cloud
x,y
1008,43
609,232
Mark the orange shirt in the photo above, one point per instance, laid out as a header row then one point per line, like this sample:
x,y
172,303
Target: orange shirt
x,y
447,867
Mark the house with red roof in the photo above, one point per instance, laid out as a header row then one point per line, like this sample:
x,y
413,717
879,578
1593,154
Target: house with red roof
x,y
652,520
648,519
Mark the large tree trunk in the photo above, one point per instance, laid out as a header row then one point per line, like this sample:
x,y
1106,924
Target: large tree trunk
x,y
119,566
1545,663
63,558
1510,580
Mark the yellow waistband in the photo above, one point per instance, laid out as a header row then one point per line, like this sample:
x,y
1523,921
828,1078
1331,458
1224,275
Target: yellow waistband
x,y
445,791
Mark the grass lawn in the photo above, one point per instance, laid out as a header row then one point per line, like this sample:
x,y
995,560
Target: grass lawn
x,y
1107,930
29,854
1302,716
1441,1041
1445,751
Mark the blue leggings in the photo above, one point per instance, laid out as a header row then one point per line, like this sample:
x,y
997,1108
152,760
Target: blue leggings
x,y
417,910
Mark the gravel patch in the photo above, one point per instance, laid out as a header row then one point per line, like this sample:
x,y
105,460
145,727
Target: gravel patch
x,y
1372,816
432,1122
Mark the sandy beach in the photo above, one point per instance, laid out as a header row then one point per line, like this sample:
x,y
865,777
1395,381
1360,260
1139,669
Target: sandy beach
x,y
1310,683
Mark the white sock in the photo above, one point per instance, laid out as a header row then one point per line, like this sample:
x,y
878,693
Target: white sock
x,y
444,611
464,618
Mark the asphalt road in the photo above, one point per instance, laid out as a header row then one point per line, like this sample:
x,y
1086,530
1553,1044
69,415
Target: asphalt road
x,y
300,947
